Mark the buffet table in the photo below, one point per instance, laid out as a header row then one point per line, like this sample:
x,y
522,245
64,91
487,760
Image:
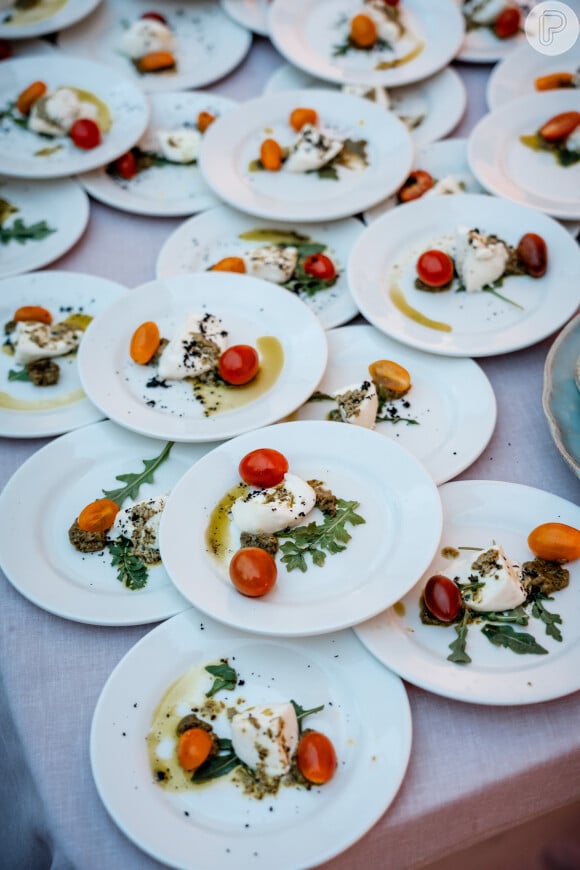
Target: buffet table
x,y
474,770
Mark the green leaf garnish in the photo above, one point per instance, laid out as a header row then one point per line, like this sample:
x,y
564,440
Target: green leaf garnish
x,y
21,375
550,620
301,713
218,765
225,678
458,652
315,538
21,233
517,615
134,481
518,641
131,572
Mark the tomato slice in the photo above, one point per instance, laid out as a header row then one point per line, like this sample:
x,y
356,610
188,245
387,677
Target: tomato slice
x,y
315,757
126,165
253,571
507,22
442,598
85,133
239,364
319,266
263,467
418,183
435,268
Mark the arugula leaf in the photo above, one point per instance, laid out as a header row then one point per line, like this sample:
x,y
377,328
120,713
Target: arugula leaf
x,y
517,615
327,171
550,620
21,233
134,481
331,536
21,375
518,641
300,282
320,397
301,713
457,647
225,678
218,765
131,572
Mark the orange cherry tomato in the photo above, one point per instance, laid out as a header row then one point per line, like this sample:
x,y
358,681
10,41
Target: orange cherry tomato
x,y
319,266
239,364
36,313
316,757
98,516
155,61
263,467
204,120
229,264
300,117
560,126
552,81
391,376
555,542
418,183
126,165
253,571
28,97
85,133
193,748
507,22
363,31
442,598
144,342
435,268
533,254
271,155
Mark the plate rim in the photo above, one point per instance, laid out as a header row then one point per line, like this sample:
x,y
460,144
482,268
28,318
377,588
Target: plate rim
x,y
47,25
547,387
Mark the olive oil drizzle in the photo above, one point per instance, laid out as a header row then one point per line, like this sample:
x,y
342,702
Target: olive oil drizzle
x,y
397,297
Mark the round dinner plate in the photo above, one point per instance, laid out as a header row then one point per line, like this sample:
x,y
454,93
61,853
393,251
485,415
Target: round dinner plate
x,y
203,240
382,272
430,108
249,309
477,513
507,167
252,14
26,154
61,204
366,715
27,411
515,76
561,393
309,35
451,401
208,43
168,189
386,554
55,16
233,142
30,48
41,502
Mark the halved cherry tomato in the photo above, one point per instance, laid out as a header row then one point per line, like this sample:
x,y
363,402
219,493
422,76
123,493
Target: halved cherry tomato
x,y
533,254
229,264
85,133
253,571
126,165
319,266
315,757
5,49
552,81
263,467
418,183
560,126
300,117
204,120
507,22
442,598
98,516
155,61
144,342
363,31
271,155
28,97
239,364
32,312
435,268
555,542
193,748
155,16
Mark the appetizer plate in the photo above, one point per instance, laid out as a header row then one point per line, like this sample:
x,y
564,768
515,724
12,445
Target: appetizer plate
x,y
208,43
205,239
515,76
439,159
451,400
249,309
170,189
385,556
43,499
26,154
307,34
233,142
506,167
476,513
252,14
27,411
366,714
561,393
432,107
49,16
61,204
30,48
382,272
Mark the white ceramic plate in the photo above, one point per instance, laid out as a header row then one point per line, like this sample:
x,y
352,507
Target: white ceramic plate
x,y
208,43
384,558
248,307
61,203
476,513
205,239
42,500
440,100
171,189
451,400
515,76
252,14
19,148
234,140
439,159
31,48
506,167
38,22
483,46
470,324
43,411
366,715
306,34
561,393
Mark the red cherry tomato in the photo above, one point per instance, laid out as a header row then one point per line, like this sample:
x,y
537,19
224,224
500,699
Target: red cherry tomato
x,y
5,49
418,183
442,598
392,2
263,467
126,165
435,268
239,364
85,134
253,571
319,266
507,22
155,16
315,757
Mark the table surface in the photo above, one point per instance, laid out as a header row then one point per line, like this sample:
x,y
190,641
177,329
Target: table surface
x,y
474,770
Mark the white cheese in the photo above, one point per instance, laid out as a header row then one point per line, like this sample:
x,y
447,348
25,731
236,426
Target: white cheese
x,y
33,341
502,589
179,146
194,349
55,113
378,95
445,186
274,508
387,29
358,404
145,36
266,738
311,150
479,259
272,263
573,140
140,524
484,11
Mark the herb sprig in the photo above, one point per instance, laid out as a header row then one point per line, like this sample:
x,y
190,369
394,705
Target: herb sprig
x,y
22,233
225,678
133,481
318,539
131,571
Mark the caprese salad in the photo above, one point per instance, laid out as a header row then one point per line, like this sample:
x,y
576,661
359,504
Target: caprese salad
x,y
502,19
560,136
149,43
